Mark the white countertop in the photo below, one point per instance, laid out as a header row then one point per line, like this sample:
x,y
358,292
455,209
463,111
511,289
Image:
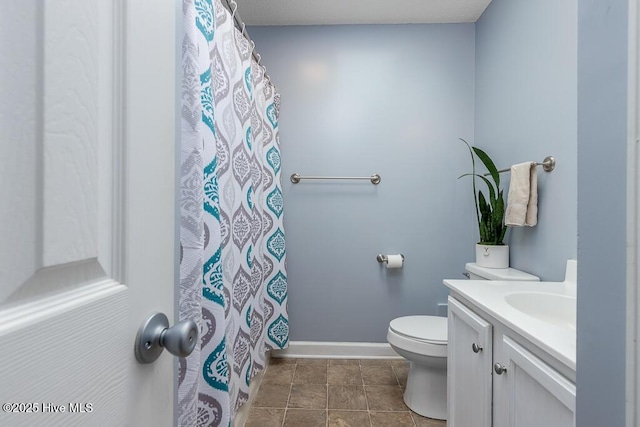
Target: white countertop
x,y
557,340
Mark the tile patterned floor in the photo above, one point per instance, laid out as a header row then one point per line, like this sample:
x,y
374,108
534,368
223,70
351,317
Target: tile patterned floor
x,y
334,393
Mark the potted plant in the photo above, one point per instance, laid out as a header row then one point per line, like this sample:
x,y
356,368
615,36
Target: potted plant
x,y
491,252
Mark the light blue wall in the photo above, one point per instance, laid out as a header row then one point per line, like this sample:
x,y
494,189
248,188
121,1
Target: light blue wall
x,y
363,99
357,100
525,107
602,135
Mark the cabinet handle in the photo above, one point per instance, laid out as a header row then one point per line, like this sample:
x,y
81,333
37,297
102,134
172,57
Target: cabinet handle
x,y
476,348
500,369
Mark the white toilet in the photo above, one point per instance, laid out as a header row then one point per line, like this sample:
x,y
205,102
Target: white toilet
x,y
422,340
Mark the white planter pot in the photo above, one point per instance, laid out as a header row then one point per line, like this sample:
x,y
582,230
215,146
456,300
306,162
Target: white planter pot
x,y
492,256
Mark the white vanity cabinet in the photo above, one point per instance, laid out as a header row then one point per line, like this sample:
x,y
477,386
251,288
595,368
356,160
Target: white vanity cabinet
x,y
528,392
496,378
469,364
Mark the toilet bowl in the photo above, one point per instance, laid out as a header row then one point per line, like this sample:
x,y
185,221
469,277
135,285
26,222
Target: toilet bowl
x,y
422,340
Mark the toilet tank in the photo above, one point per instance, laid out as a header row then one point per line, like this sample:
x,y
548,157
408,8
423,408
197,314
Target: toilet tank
x,y
482,273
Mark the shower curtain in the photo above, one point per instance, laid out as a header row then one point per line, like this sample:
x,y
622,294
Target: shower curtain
x,y
232,245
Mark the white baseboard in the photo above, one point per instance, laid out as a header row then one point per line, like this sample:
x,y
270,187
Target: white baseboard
x,y
336,350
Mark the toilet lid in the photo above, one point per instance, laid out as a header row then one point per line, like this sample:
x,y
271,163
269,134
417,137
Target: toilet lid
x,y
431,329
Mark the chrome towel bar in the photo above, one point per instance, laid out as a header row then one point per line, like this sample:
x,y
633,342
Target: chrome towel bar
x,y
548,164
375,178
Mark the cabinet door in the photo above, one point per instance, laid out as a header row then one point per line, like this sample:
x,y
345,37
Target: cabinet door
x,y
469,361
534,394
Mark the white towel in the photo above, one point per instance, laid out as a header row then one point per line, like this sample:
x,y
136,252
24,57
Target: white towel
x,y
522,203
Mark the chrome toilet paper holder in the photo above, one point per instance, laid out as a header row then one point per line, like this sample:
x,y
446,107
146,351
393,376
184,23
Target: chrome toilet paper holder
x,y
383,258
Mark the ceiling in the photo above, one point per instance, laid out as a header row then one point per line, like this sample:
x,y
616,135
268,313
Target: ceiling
x,y
329,12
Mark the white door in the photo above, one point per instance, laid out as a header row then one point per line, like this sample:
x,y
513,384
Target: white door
x,y
469,359
87,212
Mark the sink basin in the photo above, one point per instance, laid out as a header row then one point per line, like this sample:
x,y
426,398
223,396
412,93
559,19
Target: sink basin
x,y
556,309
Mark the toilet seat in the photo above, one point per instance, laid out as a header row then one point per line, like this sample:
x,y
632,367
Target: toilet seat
x,y
430,329
426,335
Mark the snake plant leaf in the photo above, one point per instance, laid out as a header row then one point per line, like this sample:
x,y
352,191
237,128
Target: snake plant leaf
x,y
490,214
504,232
492,191
483,233
499,210
501,229
488,163
482,203
473,170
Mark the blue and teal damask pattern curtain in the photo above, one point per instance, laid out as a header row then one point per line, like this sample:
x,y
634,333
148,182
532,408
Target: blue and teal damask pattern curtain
x,y
233,277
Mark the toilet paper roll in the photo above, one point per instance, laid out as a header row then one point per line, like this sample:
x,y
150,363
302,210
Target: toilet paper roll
x,y
394,261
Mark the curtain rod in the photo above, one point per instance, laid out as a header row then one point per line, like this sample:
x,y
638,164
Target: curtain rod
x,y
232,6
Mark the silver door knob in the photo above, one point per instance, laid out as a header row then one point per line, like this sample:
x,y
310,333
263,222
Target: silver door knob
x,y
500,369
476,348
155,335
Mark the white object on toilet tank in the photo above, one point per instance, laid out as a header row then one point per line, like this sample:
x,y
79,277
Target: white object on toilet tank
x,y
481,273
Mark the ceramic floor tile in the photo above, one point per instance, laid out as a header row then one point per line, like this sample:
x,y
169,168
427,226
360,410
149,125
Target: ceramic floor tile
x,y
376,362
344,375
310,374
305,418
347,397
349,419
272,396
308,396
344,362
279,374
402,372
313,361
379,375
385,398
265,417
388,419
427,422
281,361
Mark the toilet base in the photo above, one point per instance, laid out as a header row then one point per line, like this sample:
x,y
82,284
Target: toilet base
x,y
426,391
